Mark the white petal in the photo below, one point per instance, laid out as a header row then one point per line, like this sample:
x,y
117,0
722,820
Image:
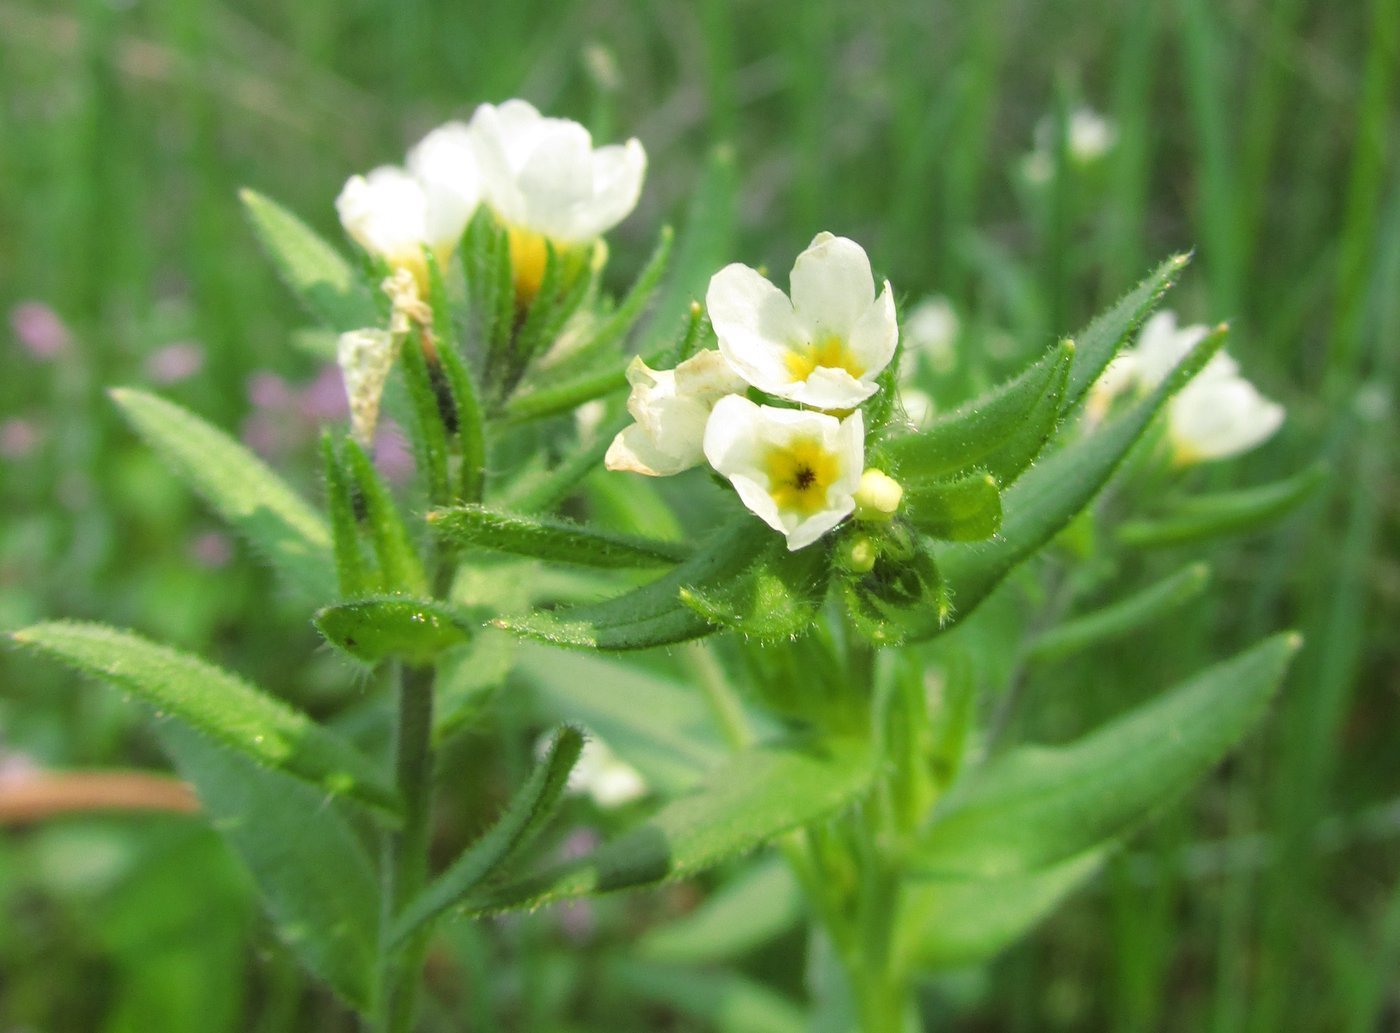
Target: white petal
x,y
634,451
827,388
618,171
445,163
755,325
875,335
1161,345
832,287
385,213
1220,417
556,180
707,377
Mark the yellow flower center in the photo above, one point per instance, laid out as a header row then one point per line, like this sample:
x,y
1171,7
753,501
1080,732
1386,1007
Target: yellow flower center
x,y
799,473
830,352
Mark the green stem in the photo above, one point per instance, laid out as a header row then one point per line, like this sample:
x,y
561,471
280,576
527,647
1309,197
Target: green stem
x,y
406,848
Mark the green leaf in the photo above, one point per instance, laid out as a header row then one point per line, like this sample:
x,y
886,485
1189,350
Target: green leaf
x,y
462,402
945,923
352,571
528,812
1101,340
322,280
654,614
657,724
430,399
240,487
1039,806
1202,517
311,870
964,510
724,1001
777,597
400,569
1123,617
619,323
1043,502
216,703
1015,418
759,794
746,911
371,630
554,540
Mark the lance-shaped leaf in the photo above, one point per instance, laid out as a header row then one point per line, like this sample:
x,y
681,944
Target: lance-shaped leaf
x,y
322,280
654,614
240,487
1039,806
311,869
759,794
1101,340
554,540
1011,422
952,922
1122,617
1223,513
371,630
777,597
528,812
1043,502
967,509
400,569
353,573
750,909
216,703
721,1000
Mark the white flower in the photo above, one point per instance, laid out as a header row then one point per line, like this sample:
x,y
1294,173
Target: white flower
x,y
671,408
798,471
826,346
932,329
1217,415
545,180
1090,135
393,213
599,772
918,406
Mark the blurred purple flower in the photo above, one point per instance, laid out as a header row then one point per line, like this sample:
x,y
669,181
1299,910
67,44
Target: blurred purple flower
x,y
392,454
577,920
269,391
175,362
323,400
212,550
40,330
265,434
18,438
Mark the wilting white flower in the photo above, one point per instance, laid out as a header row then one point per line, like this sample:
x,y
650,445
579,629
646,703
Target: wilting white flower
x,y
826,345
1217,415
671,407
547,182
365,358
610,781
932,329
797,470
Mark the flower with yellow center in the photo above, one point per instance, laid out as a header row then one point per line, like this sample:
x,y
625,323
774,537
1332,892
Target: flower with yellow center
x,y
549,185
395,213
825,346
798,471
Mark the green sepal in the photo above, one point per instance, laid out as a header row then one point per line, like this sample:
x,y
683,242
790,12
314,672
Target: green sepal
x,y
400,569
967,509
759,794
216,703
777,597
352,571
654,614
1043,502
568,281
243,489
1122,617
618,324
413,630
1202,517
1037,806
323,281
555,540
1015,417
1102,339
904,589
431,404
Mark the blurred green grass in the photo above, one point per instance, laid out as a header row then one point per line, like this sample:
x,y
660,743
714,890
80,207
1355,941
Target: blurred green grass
x,y
1264,134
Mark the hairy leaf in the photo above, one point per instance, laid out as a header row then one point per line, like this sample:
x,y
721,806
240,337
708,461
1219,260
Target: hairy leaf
x,y
1039,806
777,597
375,629
216,703
554,540
240,487
967,509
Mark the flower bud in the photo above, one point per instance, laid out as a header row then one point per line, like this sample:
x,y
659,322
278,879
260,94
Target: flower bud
x,y
878,496
858,554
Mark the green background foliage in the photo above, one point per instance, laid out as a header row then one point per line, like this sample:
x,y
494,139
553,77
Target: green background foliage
x,y
1263,135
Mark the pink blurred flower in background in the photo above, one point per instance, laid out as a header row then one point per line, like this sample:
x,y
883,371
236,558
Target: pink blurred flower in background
x,y
211,550
40,330
175,362
18,438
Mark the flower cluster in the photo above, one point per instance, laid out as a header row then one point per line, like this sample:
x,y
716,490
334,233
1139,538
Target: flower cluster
x,y
1217,415
541,178
819,349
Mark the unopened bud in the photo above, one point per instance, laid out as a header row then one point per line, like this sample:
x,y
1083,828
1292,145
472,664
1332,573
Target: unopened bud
x,y
858,554
878,496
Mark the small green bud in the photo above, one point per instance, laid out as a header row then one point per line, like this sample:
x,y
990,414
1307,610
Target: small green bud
x,y
858,554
